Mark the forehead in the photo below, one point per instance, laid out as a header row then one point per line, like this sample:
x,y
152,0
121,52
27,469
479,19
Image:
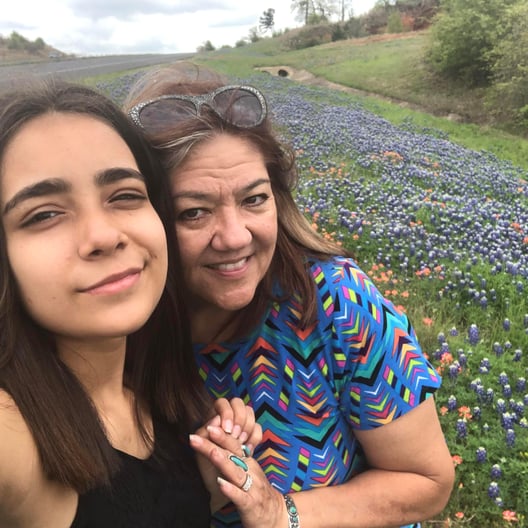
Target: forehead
x,y
61,145
225,164
222,151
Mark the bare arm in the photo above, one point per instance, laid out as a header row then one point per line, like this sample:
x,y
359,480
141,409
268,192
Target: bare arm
x,y
27,498
15,455
411,479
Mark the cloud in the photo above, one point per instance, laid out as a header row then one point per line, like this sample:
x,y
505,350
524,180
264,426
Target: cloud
x,y
234,22
127,9
10,24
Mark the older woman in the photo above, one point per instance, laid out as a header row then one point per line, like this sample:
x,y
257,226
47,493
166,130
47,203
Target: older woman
x,y
287,321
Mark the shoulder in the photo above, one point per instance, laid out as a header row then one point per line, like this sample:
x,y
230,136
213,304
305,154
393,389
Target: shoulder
x,y
344,288
18,453
336,270
342,276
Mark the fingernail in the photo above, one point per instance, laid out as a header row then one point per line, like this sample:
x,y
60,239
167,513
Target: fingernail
x,y
195,439
243,437
221,481
228,426
213,429
236,431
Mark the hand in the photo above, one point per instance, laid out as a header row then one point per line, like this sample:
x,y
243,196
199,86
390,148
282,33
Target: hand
x,y
237,419
232,417
261,505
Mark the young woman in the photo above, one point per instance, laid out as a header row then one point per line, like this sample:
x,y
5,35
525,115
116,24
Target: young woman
x,y
98,390
288,322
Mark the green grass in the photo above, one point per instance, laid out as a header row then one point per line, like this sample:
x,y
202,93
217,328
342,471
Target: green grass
x,y
386,69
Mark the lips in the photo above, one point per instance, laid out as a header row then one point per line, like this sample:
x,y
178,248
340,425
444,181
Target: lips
x,y
230,266
115,282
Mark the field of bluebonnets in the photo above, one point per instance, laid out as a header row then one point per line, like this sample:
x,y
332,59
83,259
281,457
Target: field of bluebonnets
x,y
443,231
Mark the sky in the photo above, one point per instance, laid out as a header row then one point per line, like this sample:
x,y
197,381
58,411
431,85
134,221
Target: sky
x,y
106,27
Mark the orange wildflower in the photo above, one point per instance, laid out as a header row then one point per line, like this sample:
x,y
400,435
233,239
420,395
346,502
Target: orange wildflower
x,y
427,321
509,516
457,460
465,412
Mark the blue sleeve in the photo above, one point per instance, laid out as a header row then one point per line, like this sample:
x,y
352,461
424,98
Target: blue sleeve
x,y
379,369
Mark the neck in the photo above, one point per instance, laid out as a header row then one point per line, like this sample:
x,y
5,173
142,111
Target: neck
x,y
214,327
99,365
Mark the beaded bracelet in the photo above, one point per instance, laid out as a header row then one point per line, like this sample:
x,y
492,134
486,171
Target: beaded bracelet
x,y
293,514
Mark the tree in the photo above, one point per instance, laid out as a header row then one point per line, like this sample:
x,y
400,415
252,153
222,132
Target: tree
x,y
206,46
253,35
323,10
509,95
314,11
303,8
267,20
463,37
345,5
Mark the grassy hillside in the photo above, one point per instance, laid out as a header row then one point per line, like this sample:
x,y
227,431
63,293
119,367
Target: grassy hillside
x,y
390,71
17,49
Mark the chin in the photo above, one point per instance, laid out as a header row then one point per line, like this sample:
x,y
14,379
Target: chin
x,y
235,304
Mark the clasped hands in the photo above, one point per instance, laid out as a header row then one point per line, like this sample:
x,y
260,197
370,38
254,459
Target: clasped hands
x,y
224,446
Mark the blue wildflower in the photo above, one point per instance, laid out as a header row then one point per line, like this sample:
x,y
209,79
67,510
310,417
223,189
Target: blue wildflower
x,y
473,335
481,454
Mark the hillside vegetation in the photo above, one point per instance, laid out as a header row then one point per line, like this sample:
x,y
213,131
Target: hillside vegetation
x,y
390,72
17,49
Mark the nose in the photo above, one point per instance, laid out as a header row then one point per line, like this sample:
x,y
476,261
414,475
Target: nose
x,y
99,235
230,232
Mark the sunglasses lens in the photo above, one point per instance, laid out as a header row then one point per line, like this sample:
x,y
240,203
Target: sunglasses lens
x,y
161,114
239,107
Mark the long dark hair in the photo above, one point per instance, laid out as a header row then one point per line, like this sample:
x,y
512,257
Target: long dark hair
x,y
159,366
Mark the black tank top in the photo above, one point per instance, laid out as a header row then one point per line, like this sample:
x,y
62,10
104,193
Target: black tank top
x,y
163,491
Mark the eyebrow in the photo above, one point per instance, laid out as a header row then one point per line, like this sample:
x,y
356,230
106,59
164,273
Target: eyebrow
x,y
58,186
199,195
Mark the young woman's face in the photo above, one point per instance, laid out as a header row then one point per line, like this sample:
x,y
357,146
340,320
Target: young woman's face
x,y
86,247
226,222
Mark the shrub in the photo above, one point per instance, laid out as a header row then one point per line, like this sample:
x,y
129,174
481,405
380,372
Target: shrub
x,y
463,36
508,98
310,36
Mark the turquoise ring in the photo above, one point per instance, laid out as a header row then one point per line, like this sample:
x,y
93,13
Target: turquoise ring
x,y
245,450
238,462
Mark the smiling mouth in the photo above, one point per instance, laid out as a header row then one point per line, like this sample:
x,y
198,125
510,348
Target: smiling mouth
x,y
115,283
230,266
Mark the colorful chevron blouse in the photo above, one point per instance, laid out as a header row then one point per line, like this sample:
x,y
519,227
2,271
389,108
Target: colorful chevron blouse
x,y
359,367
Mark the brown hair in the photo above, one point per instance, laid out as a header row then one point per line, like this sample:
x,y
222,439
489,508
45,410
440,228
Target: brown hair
x,y
159,366
297,242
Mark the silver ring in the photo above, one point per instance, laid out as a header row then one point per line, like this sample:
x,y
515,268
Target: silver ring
x,y
247,484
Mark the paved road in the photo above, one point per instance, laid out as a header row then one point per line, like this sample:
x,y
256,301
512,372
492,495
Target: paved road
x,y
84,67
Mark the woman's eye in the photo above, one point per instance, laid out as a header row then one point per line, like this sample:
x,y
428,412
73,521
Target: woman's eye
x,y
192,214
129,196
40,217
257,199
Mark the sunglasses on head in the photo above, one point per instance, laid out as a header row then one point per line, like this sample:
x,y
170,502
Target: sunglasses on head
x,y
242,106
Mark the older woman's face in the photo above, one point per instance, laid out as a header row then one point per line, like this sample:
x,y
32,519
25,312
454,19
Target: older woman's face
x,y
226,223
